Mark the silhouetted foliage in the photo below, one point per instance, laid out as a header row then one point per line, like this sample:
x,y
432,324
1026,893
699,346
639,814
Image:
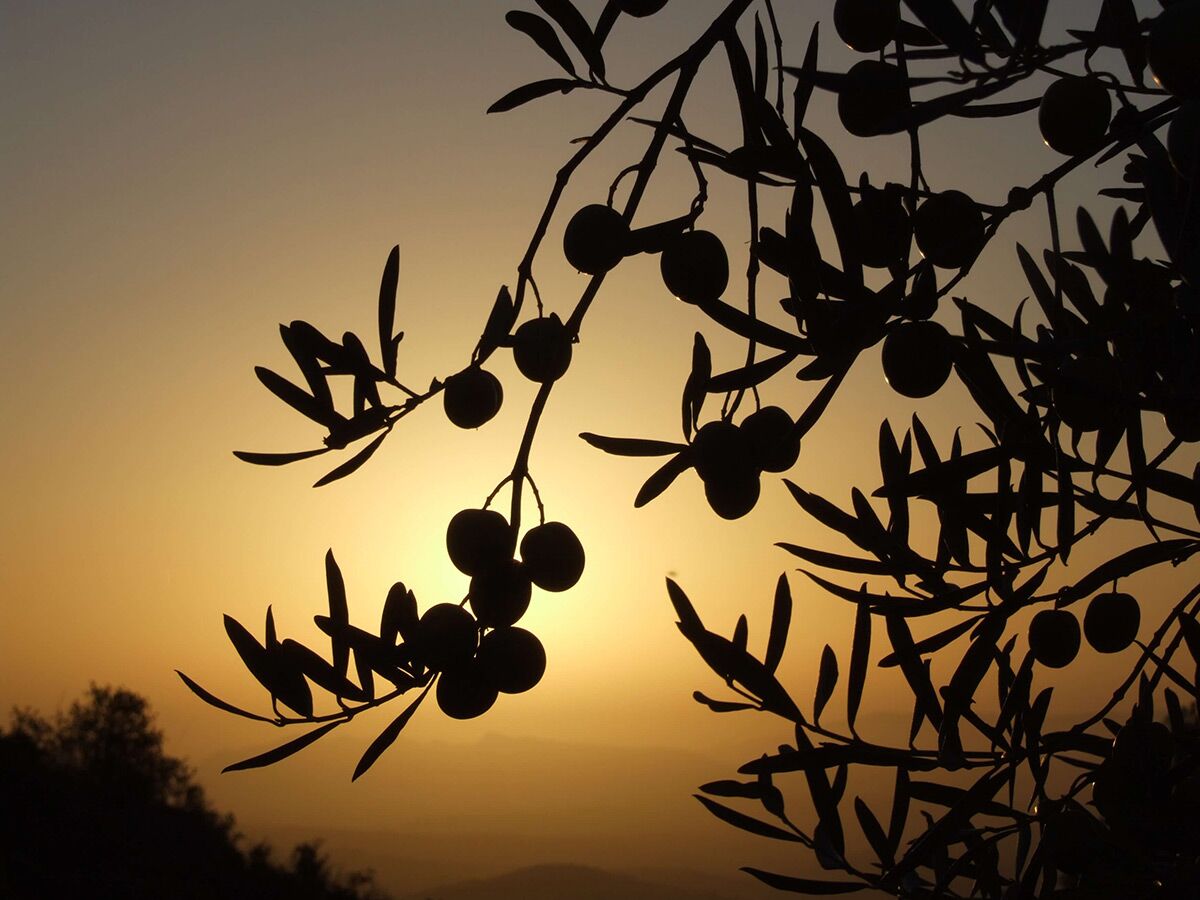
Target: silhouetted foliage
x,y
1087,404
94,808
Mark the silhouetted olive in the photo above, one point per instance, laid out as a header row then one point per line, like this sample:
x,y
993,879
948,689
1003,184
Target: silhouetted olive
x,y
917,358
872,99
720,447
1143,749
1183,419
1086,392
695,266
768,434
1073,839
1171,49
446,637
500,595
1183,139
553,556
640,8
948,228
465,692
542,349
732,494
478,539
1111,622
595,239
884,228
866,25
512,659
471,397
1074,115
1054,637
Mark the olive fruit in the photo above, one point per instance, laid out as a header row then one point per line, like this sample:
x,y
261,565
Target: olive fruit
x,y
512,659
1143,748
695,266
917,358
768,436
446,637
471,397
1111,621
1054,637
542,349
478,539
866,25
719,447
1183,139
500,595
872,98
639,9
1182,417
1074,839
595,239
1171,49
1074,115
733,493
884,228
553,556
465,693
948,228
1085,392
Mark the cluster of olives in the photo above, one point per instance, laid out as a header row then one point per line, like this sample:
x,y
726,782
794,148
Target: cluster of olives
x,y
731,458
480,653
542,352
1110,625
1134,784
695,266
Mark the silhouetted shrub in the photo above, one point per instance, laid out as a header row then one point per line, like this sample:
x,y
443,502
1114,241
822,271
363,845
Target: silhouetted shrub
x,y
93,808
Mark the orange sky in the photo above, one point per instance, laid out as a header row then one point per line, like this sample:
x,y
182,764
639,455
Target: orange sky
x,y
179,178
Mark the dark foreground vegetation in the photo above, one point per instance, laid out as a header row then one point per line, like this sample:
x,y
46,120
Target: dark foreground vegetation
x,y
94,808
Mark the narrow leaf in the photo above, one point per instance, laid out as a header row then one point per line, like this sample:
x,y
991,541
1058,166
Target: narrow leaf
x,y
387,310
354,463
339,613
388,736
859,655
745,822
826,681
661,479
746,377
283,751
277,459
576,28
721,706
542,34
805,886
631,446
299,400
532,91
220,704
781,620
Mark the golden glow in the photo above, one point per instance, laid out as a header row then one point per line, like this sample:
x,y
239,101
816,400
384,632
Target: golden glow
x,y
177,185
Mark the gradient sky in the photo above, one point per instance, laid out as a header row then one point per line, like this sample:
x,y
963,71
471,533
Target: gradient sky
x,y
175,180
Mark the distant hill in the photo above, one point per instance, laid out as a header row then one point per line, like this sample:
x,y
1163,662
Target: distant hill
x,y
561,881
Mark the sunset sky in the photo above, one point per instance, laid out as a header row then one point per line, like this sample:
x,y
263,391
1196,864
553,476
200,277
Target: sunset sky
x,y
176,179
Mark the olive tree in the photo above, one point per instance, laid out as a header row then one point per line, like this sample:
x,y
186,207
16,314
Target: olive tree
x,y
1087,401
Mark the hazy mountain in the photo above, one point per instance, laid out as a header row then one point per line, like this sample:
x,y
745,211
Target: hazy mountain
x,y
577,882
